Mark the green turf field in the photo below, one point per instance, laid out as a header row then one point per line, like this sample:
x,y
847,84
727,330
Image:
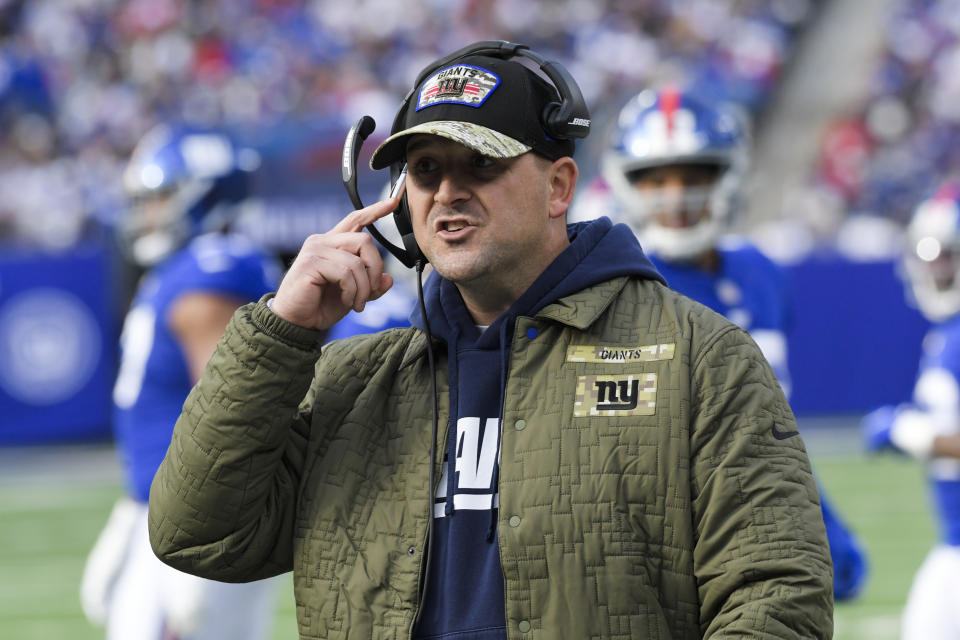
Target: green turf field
x,y
47,525
53,503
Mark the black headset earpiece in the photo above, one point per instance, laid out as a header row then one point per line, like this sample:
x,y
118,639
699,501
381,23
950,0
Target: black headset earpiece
x,y
570,118
401,217
565,120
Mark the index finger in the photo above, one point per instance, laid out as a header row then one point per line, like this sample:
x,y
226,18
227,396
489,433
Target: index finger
x,y
357,220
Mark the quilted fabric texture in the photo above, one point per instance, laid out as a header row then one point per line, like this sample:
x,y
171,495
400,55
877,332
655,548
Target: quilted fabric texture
x,y
693,516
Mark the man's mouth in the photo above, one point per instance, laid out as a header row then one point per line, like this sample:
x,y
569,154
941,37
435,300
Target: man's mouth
x,y
454,225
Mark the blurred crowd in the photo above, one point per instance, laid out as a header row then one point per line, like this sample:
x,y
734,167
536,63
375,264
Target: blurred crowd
x,y
82,80
901,141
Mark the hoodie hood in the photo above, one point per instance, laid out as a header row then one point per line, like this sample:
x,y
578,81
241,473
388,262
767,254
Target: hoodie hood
x,y
599,251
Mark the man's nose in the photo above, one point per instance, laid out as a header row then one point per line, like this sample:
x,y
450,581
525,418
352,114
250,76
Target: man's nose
x,y
672,192
452,189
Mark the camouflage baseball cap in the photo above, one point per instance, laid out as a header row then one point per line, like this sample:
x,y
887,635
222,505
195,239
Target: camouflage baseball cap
x,y
491,105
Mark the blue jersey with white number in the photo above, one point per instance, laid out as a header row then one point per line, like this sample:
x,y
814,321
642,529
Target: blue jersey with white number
x,y
154,379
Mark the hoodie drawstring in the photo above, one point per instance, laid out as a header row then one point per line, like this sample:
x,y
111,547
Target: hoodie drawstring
x,y
452,442
495,489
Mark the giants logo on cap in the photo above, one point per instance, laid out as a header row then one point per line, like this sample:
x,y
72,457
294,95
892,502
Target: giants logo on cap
x,y
459,84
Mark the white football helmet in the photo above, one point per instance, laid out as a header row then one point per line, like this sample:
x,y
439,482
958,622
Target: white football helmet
x,y
673,128
932,255
181,182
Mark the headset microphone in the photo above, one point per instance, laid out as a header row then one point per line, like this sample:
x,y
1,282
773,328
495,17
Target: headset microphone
x,y
408,255
351,153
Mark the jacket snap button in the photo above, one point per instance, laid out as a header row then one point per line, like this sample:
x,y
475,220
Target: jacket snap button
x,y
532,333
524,626
411,551
520,425
514,521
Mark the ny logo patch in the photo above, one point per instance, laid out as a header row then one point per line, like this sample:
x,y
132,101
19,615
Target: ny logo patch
x,y
616,395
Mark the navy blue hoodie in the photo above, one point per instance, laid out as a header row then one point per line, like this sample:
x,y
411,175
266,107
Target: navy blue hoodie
x,y
465,598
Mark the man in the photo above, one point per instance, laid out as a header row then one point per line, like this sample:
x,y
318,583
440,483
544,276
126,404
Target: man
x,y
675,165
929,427
612,463
181,182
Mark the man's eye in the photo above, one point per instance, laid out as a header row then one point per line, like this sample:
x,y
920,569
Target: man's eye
x,y
483,162
424,165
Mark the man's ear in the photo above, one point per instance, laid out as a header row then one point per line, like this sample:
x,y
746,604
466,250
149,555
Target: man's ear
x,y
563,181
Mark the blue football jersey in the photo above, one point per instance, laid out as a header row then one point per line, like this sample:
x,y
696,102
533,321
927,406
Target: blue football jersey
x,y
154,379
392,309
751,291
748,289
938,394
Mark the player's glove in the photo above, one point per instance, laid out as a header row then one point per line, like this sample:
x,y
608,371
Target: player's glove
x,y
904,428
875,427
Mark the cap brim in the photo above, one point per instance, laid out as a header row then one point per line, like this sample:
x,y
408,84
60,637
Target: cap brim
x,y
484,141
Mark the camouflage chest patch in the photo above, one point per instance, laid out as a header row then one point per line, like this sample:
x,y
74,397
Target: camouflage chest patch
x,y
625,394
458,84
616,395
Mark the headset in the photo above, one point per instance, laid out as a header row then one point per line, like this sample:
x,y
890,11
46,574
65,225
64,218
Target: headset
x,y
565,120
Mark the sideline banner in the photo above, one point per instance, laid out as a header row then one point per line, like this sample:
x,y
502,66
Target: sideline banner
x,y
854,343
57,346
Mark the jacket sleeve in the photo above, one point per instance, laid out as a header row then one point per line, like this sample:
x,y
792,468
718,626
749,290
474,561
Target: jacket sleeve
x,y
222,504
761,557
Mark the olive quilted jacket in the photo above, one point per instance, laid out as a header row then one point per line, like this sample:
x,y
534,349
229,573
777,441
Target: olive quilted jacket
x,y
652,483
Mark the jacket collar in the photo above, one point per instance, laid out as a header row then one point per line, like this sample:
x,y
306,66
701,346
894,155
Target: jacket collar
x,y
417,347
581,309
578,310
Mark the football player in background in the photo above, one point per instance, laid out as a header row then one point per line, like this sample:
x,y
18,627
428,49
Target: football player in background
x,y
675,165
185,186
928,428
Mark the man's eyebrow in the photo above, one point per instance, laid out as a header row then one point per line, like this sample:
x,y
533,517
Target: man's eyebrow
x,y
416,145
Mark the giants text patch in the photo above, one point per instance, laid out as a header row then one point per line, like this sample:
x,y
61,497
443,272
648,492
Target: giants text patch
x,y
459,84
620,355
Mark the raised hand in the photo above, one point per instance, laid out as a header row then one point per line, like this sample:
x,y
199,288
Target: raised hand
x,y
335,272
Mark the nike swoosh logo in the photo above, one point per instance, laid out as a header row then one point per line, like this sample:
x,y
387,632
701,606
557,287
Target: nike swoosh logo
x,y
782,435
